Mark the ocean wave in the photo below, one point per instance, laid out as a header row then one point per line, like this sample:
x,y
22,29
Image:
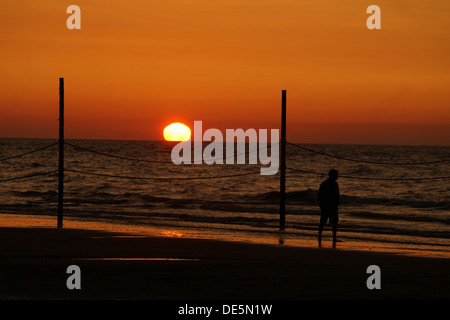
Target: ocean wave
x,y
307,195
349,200
248,203
45,195
402,217
365,170
310,196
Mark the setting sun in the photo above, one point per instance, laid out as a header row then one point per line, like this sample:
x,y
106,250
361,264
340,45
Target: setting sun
x,y
177,132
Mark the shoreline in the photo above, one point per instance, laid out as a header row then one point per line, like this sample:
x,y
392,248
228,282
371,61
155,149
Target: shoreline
x,y
275,238
127,265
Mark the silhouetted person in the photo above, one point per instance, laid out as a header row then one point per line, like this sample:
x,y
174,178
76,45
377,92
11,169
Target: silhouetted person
x,y
329,202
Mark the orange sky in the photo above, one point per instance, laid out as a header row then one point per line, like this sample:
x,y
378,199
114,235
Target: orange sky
x,y
137,65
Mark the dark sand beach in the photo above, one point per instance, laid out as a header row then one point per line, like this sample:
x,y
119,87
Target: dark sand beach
x,y
34,261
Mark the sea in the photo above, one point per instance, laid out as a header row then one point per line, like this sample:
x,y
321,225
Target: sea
x,y
393,198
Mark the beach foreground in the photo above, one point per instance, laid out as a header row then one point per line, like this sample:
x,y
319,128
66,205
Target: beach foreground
x,y
34,262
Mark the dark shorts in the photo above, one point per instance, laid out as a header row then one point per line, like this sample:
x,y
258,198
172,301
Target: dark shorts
x,y
329,214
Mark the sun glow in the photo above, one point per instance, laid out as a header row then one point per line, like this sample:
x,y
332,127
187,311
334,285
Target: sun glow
x,y
177,132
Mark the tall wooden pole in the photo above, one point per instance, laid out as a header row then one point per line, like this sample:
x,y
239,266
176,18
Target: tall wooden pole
x,y
283,161
61,154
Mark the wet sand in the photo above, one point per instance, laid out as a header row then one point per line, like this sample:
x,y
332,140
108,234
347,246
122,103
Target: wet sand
x,y
34,260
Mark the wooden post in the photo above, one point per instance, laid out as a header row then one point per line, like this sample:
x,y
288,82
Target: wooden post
x,y
283,161
61,154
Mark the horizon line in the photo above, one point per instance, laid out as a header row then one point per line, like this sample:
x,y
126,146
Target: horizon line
x,y
162,140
